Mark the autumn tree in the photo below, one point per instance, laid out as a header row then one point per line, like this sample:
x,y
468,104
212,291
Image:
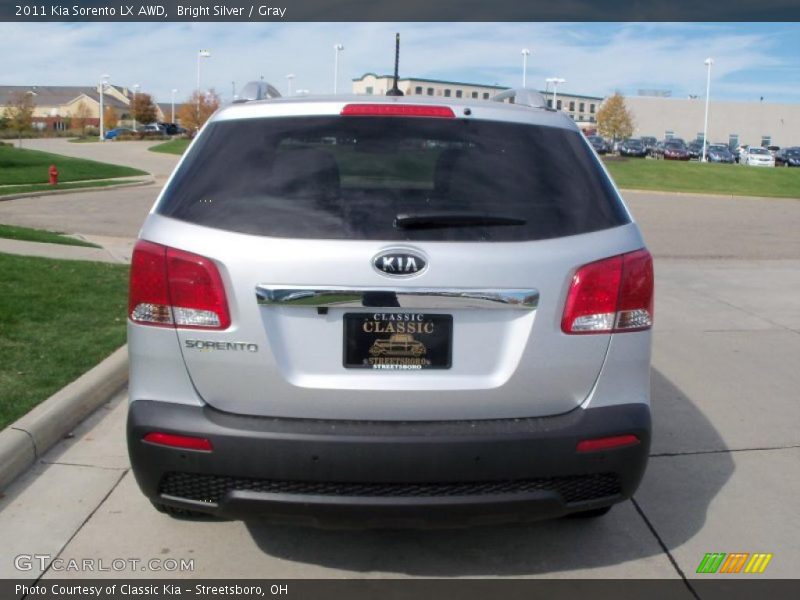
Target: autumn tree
x,y
614,120
110,117
197,109
144,109
19,113
80,117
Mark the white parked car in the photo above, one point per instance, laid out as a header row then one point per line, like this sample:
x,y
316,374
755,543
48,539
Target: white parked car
x,y
758,157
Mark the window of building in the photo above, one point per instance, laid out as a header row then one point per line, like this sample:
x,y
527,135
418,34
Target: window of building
x,y
549,103
668,135
591,108
591,119
418,90
430,91
582,106
572,105
447,93
558,104
733,139
700,137
474,94
485,95
766,140
369,89
458,93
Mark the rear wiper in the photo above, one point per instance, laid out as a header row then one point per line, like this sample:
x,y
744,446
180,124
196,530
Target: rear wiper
x,y
431,220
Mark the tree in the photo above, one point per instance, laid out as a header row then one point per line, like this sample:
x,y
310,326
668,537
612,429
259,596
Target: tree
x,y
19,113
614,120
80,117
197,109
110,118
144,109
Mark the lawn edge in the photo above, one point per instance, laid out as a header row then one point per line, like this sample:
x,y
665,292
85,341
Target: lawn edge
x,y
147,180
28,438
727,196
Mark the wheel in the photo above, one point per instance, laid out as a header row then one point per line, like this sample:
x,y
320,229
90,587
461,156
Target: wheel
x,y
178,513
590,514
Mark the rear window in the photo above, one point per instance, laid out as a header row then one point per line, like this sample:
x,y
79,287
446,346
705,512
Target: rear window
x,y
350,178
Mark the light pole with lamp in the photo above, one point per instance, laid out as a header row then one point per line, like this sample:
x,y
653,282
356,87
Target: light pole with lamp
x,y
103,81
174,91
336,49
555,81
200,54
289,79
708,63
525,54
133,105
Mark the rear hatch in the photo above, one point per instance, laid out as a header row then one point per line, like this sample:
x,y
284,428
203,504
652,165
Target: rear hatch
x,y
382,267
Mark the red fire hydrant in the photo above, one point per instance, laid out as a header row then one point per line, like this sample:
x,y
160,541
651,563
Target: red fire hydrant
x,y
53,175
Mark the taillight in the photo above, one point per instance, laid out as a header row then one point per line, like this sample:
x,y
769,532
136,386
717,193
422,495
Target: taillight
x,y
397,110
611,295
173,288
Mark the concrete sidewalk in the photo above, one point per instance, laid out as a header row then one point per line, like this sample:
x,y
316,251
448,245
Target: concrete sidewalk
x,y
62,252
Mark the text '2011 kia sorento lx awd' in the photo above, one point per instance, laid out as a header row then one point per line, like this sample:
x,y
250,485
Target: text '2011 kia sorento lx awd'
x,y
389,312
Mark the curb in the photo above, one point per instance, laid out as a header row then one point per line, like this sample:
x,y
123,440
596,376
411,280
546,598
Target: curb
x,y
706,194
28,438
76,190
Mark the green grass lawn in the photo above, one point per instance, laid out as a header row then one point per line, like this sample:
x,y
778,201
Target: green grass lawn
x,y
38,235
21,166
677,176
58,319
176,146
39,187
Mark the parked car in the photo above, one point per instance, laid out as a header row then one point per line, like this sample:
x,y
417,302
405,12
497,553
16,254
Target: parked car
x,y
674,150
515,381
649,144
116,132
632,147
172,128
599,144
757,157
788,157
695,149
719,153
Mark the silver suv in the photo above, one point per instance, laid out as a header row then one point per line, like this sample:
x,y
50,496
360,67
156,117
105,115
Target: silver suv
x,y
390,311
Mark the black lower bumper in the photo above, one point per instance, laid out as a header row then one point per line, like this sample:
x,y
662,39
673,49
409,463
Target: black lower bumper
x,y
357,473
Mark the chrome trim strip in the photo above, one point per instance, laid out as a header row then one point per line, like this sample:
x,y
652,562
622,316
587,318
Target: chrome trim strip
x,y
393,297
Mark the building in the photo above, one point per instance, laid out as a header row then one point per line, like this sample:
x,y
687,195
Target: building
x,y
582,109
753,123
56,105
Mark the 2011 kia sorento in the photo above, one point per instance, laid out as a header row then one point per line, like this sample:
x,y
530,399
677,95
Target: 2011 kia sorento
x,y
300,238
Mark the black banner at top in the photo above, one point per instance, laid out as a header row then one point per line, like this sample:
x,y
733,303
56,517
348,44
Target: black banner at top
x,y
398,10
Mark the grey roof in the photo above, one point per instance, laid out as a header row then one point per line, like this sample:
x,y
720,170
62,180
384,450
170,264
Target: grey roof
x,y
57,95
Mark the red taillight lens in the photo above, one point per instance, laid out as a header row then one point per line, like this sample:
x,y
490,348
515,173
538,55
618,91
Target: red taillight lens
x,y
607,443
170,287
178,441
611,295
397,110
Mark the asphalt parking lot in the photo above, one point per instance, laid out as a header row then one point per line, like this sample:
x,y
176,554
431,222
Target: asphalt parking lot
x,y
723,475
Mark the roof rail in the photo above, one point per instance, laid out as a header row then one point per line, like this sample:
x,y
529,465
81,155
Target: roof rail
x,y
257,90
522,96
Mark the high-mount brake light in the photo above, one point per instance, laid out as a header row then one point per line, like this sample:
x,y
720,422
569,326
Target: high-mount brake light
x,y
612,295
173,288
397,110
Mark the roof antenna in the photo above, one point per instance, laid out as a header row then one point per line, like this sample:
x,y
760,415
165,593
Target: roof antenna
x,y
395,91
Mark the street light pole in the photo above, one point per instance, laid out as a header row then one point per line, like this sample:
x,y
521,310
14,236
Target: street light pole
x,y
103,79
336,49
174,91
708,63
200,54
555,81
133,107
525,54
289,79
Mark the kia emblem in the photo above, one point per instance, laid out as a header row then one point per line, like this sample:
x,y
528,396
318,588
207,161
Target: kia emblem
x,y
399,263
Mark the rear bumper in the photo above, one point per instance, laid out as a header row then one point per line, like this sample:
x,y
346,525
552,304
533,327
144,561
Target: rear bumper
x,y
353,473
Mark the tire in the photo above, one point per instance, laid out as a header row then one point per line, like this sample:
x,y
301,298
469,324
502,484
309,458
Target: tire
x,y
590,514
178,513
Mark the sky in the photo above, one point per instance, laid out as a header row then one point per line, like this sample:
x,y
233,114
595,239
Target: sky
x,y
751,60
